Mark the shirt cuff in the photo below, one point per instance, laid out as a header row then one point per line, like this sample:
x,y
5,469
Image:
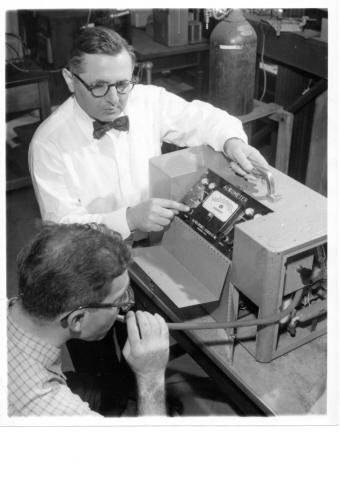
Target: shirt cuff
x,y
240,135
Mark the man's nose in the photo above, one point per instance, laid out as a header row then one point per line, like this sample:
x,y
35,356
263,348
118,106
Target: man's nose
x,y
112,94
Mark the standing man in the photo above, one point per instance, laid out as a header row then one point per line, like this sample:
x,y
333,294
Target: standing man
x,y
73,281
89,160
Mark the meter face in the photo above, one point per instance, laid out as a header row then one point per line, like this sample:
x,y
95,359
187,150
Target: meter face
x,y
216,207
220,206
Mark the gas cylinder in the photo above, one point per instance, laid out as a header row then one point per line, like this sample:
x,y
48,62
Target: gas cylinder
x,y
232,63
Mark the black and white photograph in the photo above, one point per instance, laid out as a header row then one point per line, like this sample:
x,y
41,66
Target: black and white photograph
x,y
170,259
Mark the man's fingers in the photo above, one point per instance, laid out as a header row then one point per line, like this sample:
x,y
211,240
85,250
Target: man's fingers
x,y
132,329
156,228
150,326
154,326
241,159
160,220
245,156
161,212
144,324
165,213
162,325
258,160
172,204
161,216
180,207
237,169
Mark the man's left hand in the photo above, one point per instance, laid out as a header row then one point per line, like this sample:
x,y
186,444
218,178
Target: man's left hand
x,y
245,160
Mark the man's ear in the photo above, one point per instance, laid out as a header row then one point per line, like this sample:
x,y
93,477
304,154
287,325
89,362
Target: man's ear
x,y
75,322
68,77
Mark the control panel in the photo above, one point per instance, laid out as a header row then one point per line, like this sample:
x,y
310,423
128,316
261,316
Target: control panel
x,y
216,206
247,254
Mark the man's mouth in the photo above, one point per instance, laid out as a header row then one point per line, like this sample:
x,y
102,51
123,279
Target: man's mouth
x,y
112,109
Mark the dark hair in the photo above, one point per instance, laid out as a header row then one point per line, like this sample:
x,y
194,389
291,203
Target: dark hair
x,y
97,40
68,265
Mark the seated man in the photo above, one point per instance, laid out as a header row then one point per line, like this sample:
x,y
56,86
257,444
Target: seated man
x,y
89,160
72,282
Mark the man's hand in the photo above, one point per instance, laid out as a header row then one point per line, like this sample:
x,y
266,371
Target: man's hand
x,y
147,347
154,214
147,352
245,160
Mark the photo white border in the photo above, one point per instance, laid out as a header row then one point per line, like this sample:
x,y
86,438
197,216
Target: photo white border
x,y
298,438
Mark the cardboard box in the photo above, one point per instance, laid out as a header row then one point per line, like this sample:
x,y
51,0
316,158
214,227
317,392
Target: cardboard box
x,y
171,26
140,17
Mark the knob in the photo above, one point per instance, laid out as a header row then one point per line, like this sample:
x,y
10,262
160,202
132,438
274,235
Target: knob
x,y
228,240
249,212
211,186
204,181
224,237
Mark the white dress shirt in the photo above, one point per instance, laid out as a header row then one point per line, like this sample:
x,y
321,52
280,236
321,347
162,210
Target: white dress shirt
x,y
77,178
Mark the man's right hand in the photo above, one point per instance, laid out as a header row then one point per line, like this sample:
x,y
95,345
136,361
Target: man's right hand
x,y
147,347
147,352
153,215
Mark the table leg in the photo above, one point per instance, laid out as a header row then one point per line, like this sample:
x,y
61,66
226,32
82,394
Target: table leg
x,y
284,139
45,101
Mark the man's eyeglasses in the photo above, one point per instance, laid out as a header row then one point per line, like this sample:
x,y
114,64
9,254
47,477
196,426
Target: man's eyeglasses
x,y
102,88
124,303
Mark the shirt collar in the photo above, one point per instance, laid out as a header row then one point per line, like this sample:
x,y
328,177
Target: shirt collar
x,y
84,121
34,347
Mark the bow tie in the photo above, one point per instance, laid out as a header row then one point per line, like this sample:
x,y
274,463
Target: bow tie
x,y
100,128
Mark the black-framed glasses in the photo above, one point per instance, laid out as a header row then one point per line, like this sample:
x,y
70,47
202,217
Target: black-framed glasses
x,y
124,303
101,89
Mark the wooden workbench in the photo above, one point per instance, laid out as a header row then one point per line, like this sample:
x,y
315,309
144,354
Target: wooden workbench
x,y
27,88
293,384
293,49
169,59
164,57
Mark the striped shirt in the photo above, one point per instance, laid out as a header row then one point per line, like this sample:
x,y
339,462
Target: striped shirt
x,y
36,384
